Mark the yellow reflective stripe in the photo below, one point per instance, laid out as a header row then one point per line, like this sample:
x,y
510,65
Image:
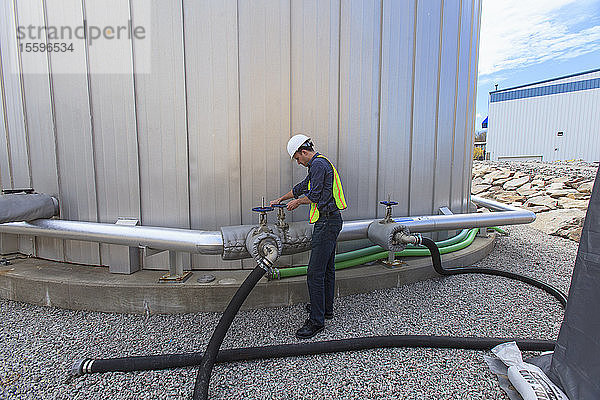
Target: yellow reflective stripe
x,y
338,194
314,213
340,200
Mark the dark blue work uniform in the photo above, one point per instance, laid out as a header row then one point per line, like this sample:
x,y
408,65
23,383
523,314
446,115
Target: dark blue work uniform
x,y
320,276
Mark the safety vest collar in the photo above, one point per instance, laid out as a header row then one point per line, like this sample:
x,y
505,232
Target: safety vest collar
x,y
317,154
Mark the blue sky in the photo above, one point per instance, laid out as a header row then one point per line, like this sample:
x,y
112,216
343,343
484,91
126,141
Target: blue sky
x,y
524,41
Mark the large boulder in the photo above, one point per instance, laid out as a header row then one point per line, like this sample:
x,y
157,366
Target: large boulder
x,y
537,209
542,201
570,232
528,191
502,173
565,202
585,187
578,196
556,186
538,183
477,189
515,183
481,170
560,192
509,197
554,221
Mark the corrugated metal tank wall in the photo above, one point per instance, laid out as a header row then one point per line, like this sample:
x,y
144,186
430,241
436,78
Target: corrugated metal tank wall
x,y
386,88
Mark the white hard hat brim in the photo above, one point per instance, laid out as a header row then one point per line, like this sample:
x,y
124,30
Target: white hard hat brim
x,y
301,140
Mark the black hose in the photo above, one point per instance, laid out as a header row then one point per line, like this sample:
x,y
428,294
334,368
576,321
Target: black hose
x,y
210,355
437,265
166,361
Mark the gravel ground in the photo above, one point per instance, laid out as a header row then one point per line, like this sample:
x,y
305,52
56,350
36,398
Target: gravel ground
x,y
39,344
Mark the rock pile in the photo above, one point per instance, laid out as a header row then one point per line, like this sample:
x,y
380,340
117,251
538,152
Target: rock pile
x,y
559,199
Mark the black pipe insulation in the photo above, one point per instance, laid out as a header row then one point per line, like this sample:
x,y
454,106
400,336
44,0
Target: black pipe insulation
x,y
437,265
210,355
166,361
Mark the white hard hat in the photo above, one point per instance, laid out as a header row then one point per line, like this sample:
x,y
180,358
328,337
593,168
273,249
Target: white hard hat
x,y
295,143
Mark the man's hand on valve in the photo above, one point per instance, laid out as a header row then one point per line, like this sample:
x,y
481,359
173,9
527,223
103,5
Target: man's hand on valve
x,y
292,205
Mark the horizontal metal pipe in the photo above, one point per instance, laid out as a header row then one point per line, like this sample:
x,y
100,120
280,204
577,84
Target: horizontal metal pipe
x,y
204,242
211,242
508,215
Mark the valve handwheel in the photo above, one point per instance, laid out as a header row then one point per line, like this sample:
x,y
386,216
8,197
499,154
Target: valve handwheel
x,y
388,210
262,209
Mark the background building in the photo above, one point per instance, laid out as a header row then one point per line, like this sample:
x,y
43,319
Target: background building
x,y
191,130
556,119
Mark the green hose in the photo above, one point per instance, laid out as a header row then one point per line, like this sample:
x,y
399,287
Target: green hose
x,y
414,252
500,230
367,251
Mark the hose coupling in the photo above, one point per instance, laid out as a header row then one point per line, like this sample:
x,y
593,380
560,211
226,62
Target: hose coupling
x,y
269,254
406,238
264,247
81,367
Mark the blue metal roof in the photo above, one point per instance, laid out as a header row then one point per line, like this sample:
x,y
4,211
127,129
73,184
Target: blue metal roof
x,y
545,90
546,80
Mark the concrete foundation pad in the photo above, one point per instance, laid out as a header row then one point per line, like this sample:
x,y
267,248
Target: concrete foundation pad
x,y
77,287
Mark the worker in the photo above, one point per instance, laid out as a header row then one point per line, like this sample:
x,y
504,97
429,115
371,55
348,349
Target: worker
x,y
322,189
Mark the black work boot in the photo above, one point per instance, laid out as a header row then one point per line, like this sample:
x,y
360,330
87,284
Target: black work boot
x,y
328,315
308,330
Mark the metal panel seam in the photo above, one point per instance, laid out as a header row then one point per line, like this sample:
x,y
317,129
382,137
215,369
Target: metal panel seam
x,y
137,125
186,119
379,106
23,103
54,127
339,94
473,116
291,81
437,107
412,104
239,87
455,102
25,125
467,134
3,95
86,52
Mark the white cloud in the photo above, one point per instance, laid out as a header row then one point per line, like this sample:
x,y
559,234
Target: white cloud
x,y
517,33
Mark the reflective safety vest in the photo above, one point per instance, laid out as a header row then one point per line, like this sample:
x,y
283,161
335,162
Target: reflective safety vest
x,y
337,193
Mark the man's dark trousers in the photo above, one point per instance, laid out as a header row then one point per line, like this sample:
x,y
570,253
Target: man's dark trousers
x,y
321,267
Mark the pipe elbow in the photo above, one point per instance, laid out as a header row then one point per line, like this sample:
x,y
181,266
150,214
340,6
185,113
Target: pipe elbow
x,y
387,235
